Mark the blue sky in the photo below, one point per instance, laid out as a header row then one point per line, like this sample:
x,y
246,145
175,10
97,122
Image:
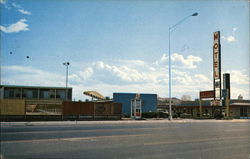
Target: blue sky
x,y
122,46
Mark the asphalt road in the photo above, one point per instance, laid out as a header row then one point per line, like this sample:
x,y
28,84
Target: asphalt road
x,y
152,140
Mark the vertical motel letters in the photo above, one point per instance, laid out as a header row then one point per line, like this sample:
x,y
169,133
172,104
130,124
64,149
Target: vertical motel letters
x,y
216,65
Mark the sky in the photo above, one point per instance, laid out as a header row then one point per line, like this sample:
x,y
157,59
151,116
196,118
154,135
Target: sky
x,y
122,46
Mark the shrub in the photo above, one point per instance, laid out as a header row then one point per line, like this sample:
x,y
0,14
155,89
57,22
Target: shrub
x,y
126,115
149,115
154,115
162,115
218,114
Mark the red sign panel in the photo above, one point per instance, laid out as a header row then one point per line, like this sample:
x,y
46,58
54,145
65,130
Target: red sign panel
x,y
207,94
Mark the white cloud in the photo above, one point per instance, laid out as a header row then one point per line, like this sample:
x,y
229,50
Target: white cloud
x,y
122,73
74,79
239,82
229,39
110,77
164,57
163,60
87,73
99,64
20,9
23,75
188,62
120,76
235,92
126,76
234,29
24,11
183,79
16,27
237,77
203,78
15,5
3,2
133,63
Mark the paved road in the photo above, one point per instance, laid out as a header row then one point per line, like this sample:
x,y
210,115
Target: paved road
x,y
168,140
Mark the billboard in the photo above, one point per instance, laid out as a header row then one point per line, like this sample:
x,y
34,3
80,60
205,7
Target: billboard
x,y
207,94
217,65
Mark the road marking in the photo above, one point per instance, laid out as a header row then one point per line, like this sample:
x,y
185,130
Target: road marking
x,y
75,138
99,137
95,130
193,141
238,130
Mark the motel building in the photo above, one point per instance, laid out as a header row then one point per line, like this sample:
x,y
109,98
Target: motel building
x,y
21,100
238,109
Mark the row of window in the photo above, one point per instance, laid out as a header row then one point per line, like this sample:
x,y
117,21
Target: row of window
x,y
243,111
35,93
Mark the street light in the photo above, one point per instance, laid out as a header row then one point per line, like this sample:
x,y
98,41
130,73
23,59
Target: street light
x,y
67,65
169,71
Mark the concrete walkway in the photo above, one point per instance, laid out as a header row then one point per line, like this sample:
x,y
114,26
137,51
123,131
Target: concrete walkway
x,y
123,121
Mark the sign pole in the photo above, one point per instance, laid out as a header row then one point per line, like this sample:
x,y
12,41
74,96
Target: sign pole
x,y
200,108
132,106
205,94
227,104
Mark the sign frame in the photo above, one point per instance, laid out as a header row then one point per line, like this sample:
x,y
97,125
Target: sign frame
x,y
207,94
217,66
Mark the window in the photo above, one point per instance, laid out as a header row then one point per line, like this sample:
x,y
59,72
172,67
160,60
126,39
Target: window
x,y
11,93
25,93
34,93
44,94
243,112
60,94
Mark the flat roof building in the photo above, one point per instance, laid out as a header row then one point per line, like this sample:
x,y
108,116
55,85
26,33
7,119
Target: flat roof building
x,y
34,99
191,109
34,92
149,101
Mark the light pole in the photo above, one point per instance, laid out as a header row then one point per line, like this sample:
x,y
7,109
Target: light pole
x,y
67,65
169,55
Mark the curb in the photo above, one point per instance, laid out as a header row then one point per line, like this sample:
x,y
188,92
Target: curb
x,y
118,122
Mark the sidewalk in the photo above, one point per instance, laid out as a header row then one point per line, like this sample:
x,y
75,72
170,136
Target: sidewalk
x,y
123,121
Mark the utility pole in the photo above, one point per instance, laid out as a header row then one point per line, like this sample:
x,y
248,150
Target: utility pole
x,y
66,92
169,67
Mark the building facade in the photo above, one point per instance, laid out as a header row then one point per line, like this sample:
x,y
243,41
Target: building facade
x,y
149,101
35,92
37,99
191,109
